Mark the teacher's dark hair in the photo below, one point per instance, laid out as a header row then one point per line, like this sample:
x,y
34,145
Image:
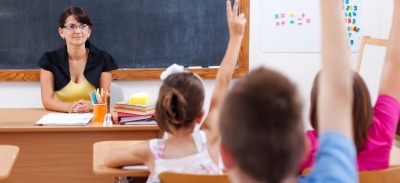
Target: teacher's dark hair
x,y
79,14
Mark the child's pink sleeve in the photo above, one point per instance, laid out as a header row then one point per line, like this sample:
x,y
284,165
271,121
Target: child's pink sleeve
x,y
311,149
386,115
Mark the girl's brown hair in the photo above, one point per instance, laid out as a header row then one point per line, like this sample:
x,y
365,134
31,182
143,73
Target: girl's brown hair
x,y
362,109
180,101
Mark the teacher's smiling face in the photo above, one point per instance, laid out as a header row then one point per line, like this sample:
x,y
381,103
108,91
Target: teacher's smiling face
x,y
74,32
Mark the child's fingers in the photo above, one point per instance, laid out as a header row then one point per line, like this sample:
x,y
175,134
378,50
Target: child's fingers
x,y
241,16
236,8
228,9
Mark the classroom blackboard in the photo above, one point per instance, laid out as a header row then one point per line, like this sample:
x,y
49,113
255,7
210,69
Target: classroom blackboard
x,y
142,35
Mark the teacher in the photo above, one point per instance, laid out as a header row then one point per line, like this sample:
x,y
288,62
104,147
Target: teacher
x,y
68,74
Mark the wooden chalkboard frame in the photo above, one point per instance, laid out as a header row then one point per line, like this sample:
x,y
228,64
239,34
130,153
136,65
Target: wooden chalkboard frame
x,y
152,74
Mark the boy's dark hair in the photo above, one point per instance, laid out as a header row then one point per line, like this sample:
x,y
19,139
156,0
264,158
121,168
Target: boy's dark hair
x,y
79,14
261,126
180,100
362,109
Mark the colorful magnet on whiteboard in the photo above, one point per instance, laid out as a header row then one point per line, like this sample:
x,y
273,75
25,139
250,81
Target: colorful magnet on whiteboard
x,y
277,24
299,19
347,1
348,28
291,15
351,8
283,23
349,34
282,15
349,14
355,8
345,14
276,16
354,28
303,15
291,21
354,14
308,20
351,42
358,29
299,23
347,8
349,20
351,28
354,21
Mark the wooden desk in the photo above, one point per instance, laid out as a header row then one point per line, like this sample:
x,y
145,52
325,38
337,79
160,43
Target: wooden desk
x,y
101,148
8,154
59,154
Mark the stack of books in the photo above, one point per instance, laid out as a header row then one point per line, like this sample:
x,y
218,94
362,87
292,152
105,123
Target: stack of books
x,y
135,113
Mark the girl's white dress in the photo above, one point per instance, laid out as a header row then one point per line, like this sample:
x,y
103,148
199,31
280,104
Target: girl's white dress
x,y
199,163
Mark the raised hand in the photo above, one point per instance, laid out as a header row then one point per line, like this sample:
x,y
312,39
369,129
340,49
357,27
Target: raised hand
x,y
236,21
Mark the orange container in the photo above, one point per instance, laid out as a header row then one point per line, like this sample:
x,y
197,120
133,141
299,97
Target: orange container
x,y
99,111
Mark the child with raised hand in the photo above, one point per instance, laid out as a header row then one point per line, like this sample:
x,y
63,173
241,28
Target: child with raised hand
x,y
262,137
178,109
374,128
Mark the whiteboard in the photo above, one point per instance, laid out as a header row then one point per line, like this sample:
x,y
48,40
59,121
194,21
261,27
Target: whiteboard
x,y
371,68
295,25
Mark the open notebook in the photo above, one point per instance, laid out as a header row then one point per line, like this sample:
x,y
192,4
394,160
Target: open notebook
x,y
65,119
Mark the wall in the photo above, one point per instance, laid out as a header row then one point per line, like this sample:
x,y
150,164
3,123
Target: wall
x,y
300,67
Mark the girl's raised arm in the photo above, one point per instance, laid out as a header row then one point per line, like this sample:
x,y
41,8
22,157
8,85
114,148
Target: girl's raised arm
x,y
390,76
236,24
335,91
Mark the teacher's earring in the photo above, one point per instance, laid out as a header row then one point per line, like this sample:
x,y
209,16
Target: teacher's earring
x,y
62,37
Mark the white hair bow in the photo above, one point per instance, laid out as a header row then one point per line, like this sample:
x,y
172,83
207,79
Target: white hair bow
x,y
174,68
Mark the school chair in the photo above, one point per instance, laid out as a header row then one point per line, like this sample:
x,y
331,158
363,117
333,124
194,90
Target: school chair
x,y
172,177
389,175
116,94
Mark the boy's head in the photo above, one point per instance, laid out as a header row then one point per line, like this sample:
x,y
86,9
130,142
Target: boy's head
x,y
362,109
180,101
261,127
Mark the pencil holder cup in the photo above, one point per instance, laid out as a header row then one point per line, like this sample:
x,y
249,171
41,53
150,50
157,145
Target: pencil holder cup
x,y
99,111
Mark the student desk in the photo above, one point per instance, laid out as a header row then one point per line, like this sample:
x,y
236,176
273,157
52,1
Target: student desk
x,y
59,153
99,151
8,154
100,148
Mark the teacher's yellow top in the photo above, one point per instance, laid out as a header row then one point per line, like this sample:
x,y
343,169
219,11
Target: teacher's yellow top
x,y
74,92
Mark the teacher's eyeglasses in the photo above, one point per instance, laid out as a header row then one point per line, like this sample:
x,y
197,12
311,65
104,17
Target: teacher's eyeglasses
x,y
74,27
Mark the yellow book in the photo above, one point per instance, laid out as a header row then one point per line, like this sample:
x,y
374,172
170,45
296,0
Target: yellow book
x,y
142,98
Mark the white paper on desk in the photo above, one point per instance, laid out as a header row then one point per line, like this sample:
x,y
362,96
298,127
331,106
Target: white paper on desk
x,y
135,167
65,119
